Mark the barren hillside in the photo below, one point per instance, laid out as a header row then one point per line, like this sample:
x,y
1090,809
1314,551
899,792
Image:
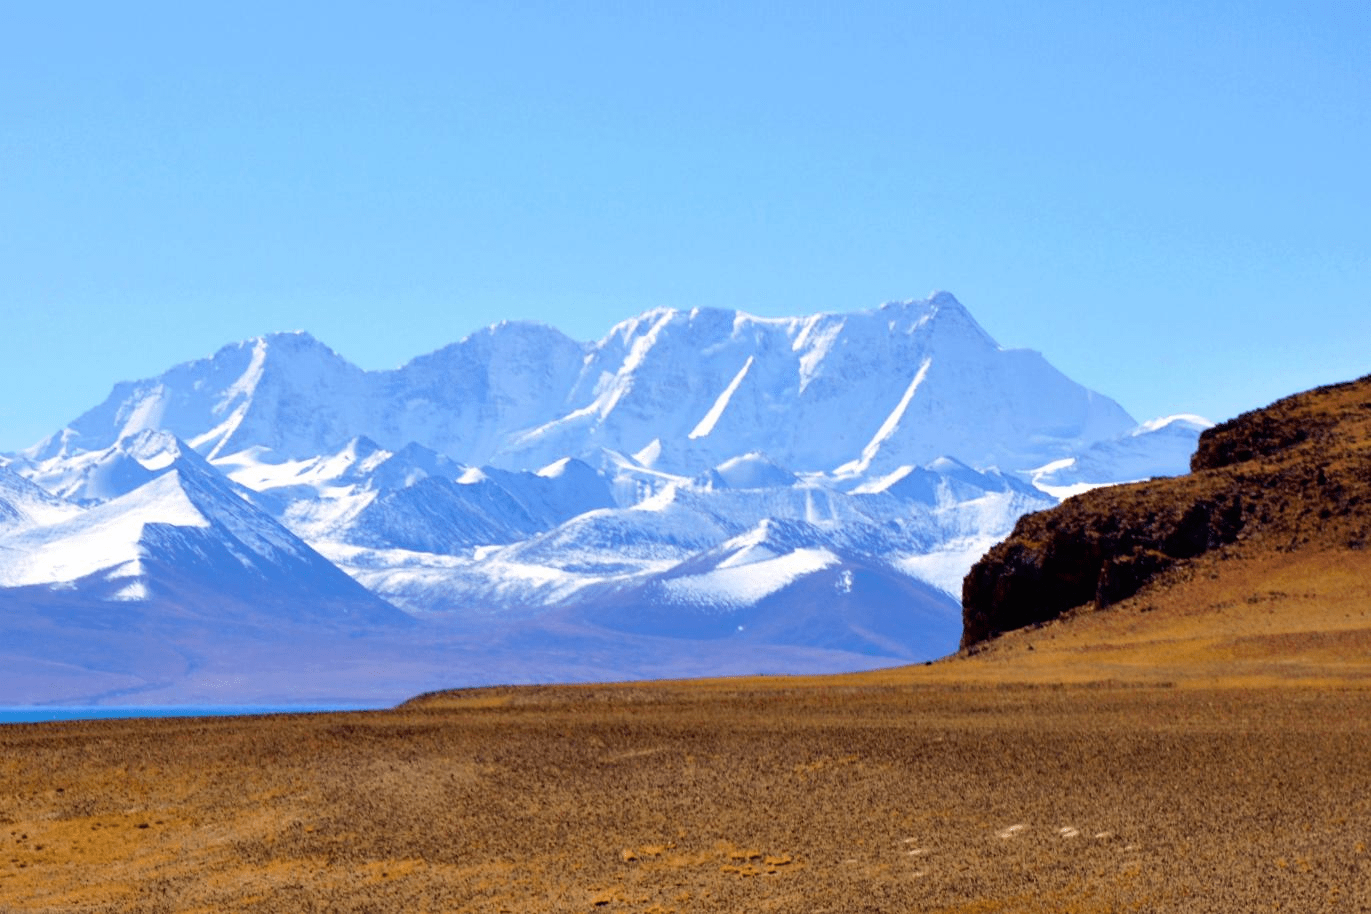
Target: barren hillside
x,y
1285,487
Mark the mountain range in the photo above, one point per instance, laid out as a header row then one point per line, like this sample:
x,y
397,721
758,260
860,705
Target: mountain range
x,y
699,492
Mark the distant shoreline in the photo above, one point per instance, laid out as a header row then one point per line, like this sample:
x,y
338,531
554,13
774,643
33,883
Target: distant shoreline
x,y
32,715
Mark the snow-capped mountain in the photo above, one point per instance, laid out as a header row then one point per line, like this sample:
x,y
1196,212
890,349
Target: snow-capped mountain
x,y
680,391
175,525
24,504
175,582
696,489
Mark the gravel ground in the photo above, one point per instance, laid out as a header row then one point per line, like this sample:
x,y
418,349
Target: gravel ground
x,y
754,795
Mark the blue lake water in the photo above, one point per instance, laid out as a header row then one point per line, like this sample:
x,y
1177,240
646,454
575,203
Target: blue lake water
x,y
42,714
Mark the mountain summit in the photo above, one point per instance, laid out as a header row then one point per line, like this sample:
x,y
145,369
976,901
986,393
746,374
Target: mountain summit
x,y
681,391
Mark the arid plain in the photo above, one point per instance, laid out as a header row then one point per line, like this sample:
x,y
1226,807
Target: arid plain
x,y
1186,750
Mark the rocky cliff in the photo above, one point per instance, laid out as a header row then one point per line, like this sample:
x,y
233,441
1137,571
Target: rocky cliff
x,y
1295,475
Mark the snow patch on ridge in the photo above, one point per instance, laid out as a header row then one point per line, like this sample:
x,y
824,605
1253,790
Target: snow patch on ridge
x,y
1042,475
816,345
555,470
888,427
742,585
104,537
252,376
241,391
1188,421
882,483
146,412
1159,446
620,383
947,566
706,425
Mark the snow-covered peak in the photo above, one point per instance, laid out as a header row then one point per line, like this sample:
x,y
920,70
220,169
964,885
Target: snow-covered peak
x,y
90,477
275,392
942,482
507,338
684,391
940,312
102,538
1158,447
298,339
410,464
23,503
753,470
360,465
627,332
876,389
572,473
558,468
355,460
150,477
1182,423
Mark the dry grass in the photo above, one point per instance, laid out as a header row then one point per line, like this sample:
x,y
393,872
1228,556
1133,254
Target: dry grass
x,y
1209,753
1229,619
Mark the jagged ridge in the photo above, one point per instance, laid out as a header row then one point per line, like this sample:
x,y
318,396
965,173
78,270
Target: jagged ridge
x,y
683,391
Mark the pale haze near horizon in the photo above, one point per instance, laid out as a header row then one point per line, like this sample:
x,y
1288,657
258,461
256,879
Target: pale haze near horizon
x,y
1169,203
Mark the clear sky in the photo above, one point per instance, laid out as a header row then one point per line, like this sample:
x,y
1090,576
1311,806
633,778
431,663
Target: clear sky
x,y
1170,200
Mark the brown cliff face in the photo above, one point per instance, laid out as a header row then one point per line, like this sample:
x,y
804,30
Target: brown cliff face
x,y
1295,475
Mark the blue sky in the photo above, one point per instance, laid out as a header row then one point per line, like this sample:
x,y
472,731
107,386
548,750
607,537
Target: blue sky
x,y
1171,201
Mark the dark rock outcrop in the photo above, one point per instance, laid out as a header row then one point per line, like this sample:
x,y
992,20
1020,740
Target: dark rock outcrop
x,y
1295,474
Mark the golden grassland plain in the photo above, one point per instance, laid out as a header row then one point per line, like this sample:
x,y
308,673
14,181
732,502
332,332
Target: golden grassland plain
x,y
1205,746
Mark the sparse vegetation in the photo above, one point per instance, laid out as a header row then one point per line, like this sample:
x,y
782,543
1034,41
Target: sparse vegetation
x,y
907,790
